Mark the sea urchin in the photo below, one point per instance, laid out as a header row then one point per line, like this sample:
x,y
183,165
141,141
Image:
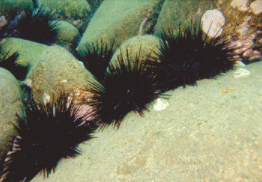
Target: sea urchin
x,y
190,56
9,62
129,85
97,57
38,26
46,134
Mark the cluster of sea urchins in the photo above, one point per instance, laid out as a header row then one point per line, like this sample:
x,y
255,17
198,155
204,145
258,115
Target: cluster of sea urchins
x,y
52,131
130,84
45,134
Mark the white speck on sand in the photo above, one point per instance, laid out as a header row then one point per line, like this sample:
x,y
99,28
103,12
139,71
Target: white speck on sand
x,y
241,72
160,104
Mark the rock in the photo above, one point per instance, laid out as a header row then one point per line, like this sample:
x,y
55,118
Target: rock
x,y
27,50
57,70
116,21
66,8
212,22
181,12
10,104
241,72
240,4
142,45
160,104
67,35
256,7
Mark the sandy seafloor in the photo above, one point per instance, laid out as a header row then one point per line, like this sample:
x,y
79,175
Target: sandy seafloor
x,y
204,135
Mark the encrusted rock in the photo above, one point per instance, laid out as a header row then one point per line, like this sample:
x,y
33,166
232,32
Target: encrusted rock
x,y
10,104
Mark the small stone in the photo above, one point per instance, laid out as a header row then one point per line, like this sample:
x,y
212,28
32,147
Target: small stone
x,y
160,104
240,4
241,72
256,7
212,22
10,105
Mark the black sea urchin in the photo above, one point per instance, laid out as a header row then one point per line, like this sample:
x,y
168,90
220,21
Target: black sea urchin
x,y
96,58
38,26
9,63
190,56
36,4
46,134
129,85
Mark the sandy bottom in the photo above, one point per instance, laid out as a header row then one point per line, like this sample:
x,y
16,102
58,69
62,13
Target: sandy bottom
x,y
212,132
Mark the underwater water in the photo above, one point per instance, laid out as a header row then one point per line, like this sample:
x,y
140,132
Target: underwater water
x,y
178,117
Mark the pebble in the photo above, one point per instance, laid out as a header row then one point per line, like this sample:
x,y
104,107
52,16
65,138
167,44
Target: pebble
x,y
212,22
160,104
240,4
256,7
241,72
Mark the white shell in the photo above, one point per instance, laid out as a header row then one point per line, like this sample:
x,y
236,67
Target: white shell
x,y
160,104
241,72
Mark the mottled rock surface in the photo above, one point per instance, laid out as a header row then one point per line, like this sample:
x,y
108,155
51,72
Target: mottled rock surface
x,y
116,21
67,35
57,70
175,12
28,50
141,46
10,104
66,8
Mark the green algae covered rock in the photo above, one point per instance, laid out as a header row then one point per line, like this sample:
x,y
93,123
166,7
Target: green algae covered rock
x,y
67,33
66,8
9,8
27,50
143,46
57,70
175,12
10,104
116,21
